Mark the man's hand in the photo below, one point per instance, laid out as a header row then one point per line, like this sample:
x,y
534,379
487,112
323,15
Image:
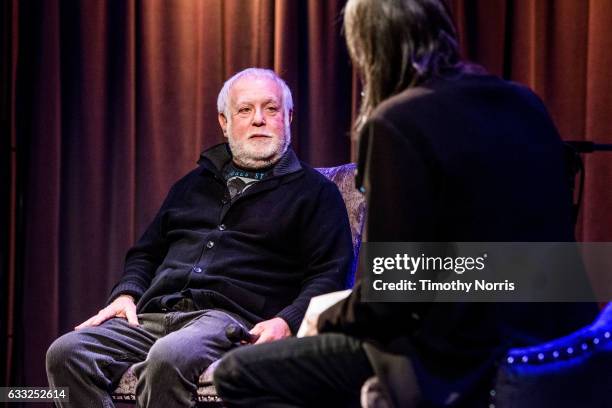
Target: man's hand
x,y
123,306
270,330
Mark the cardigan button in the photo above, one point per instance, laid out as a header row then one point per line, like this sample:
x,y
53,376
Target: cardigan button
x,y
210,244
197,269
221,227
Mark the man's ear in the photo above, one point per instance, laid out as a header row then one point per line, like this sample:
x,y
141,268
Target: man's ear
x,y
223,123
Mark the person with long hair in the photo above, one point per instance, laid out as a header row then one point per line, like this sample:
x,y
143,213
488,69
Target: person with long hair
x,y
447,153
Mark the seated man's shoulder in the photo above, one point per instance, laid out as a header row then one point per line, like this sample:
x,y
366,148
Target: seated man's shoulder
x,y
328,185
183,184
314,176
189,178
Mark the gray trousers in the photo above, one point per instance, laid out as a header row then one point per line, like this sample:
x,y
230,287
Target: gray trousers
x,y
171,351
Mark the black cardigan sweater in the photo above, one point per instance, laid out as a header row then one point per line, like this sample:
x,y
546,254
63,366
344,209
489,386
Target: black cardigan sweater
x,y
265,254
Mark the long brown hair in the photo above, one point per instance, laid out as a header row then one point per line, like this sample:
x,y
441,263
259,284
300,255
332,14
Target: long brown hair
x,y
396,44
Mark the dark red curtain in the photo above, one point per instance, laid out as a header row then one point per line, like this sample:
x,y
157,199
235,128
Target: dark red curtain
x,y
109,102
559,48
115,101
8,183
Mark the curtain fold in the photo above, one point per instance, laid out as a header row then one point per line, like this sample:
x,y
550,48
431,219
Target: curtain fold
x,y
114,100
8,182
39,114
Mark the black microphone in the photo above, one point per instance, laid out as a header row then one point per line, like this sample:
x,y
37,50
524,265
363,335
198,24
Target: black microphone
x,y
238,334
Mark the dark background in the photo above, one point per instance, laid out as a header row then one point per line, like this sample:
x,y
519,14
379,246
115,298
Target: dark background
x,y
106,103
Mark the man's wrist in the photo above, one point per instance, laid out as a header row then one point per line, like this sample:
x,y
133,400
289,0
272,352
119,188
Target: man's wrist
x,y
283,321
128,296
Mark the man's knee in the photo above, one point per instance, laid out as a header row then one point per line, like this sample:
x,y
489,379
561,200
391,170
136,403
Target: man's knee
x,y
63,351
164,355
189,356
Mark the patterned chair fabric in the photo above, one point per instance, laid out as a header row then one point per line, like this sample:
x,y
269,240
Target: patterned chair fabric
x,y
344,177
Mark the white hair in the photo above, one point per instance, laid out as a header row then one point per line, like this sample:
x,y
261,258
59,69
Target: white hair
x,y
222,105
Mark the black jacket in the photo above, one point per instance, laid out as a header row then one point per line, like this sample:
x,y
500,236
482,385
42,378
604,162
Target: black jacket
x,y
470,159
286,239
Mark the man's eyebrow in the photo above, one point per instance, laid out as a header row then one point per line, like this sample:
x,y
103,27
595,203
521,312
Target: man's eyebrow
x,y
250,101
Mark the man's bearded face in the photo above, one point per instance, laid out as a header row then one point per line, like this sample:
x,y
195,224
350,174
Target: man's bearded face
x,y
258,126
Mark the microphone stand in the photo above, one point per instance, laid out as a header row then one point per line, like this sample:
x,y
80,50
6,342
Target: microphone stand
x,y
573,149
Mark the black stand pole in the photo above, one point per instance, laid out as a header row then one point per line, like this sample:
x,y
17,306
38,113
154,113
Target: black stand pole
x,y
573,149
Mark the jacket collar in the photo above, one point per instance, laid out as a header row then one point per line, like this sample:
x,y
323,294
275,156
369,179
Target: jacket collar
x,y
217,156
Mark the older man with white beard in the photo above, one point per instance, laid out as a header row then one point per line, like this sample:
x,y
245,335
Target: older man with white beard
x,y
246,238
